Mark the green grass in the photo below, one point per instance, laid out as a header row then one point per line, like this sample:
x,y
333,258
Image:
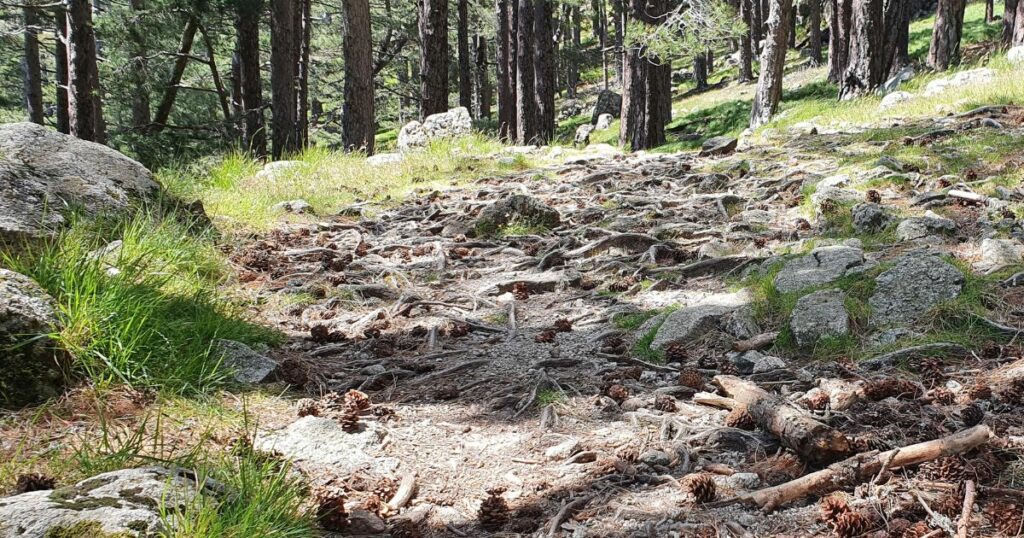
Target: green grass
x,y
632,322
547,397
329,180
152,323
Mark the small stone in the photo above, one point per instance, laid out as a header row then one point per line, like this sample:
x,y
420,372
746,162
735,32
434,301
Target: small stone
x,y
246,364
895,98
604,122
767,363
748,481
870,218
582,138
914,228
655,457
998,254
299,207
364,523
718,145
563,450
726,312
1016,55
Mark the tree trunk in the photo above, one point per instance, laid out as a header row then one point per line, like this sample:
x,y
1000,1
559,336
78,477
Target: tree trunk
x,y
746,61
305,26
163,110
700,72
949,24
814,31
1009,20
465,71
357,119
791,30
433,57
990,11
901,56
506,103
544,70
218,84
282,77
512,69
60,60
773,62
83,88
645,86
142,114
839,39
756,26
33,88
619,12
865,68
1018,25
247,29
572,64
526,104
482,82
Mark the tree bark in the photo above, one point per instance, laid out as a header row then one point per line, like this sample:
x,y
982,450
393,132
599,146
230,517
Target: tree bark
x,y
512,69
646,86
282,77
814,31
990,11
619,12
700,71
247,30
305,26
797,430
526,104
33,81
465,71
544,70
83,86
945,46
746,56
1018,25
163,110
572,66
218,84
756,26
506,103
839,39
866,62
60,60
773,62
142,114
357,118
1009,21
482,83
433,57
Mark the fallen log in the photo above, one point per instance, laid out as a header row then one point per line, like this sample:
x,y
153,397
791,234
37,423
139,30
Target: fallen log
x,y
813,441
760,341
862,468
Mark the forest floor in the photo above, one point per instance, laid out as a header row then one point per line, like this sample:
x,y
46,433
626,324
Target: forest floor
x,y
532,373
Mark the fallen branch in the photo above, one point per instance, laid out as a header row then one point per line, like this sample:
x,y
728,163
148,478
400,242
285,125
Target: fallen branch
x,y
813,441
890,359
760,341
404,493
565,513
862,467
963,526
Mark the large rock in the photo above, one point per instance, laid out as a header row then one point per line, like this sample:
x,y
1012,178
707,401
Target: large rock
x,y
30,363
822,265
44,172
718,145
1016,55
582,138
123,503
998,254
518,208
971,77
913,286
819,315
825,194
870,218
321,441
608,102
604,121
245,363
914,228
894,99
454,123
726,312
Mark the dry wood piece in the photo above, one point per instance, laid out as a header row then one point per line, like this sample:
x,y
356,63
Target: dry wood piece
x,y
964,525
813,441
760,341
404,493
864,467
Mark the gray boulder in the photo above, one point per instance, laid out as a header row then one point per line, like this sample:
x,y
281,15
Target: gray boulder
x,y
582,138
917,283
822,265
604,121
998,254
321,441
718,145
246,364
914,228
1016,55
119,503
30,363
608,102
819,315
832,194
870,218
726,312
44,172
452,124
516,208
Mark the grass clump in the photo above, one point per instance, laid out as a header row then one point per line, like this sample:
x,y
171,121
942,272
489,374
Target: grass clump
x,y
546,397
144,313
632,322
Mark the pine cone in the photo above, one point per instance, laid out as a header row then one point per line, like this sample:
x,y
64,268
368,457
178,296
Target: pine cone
x,y
622,285
357,400
330,508
948,505
832,507
978,391
817,401
331,401
897,526
942,396
405,528
349,420
700,486
873,196
779,469
1013,392
917,530
1005,516
865,443
692,378
740,418
458,329
614,345
34,482
972,415
494,512
726,367
676,352
946,468
545,337
664,402
446,391
307,407
851,524
520,291
933,369
563,325
617,392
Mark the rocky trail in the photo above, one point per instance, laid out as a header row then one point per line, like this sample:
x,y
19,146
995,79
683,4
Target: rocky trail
x,y
737,343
